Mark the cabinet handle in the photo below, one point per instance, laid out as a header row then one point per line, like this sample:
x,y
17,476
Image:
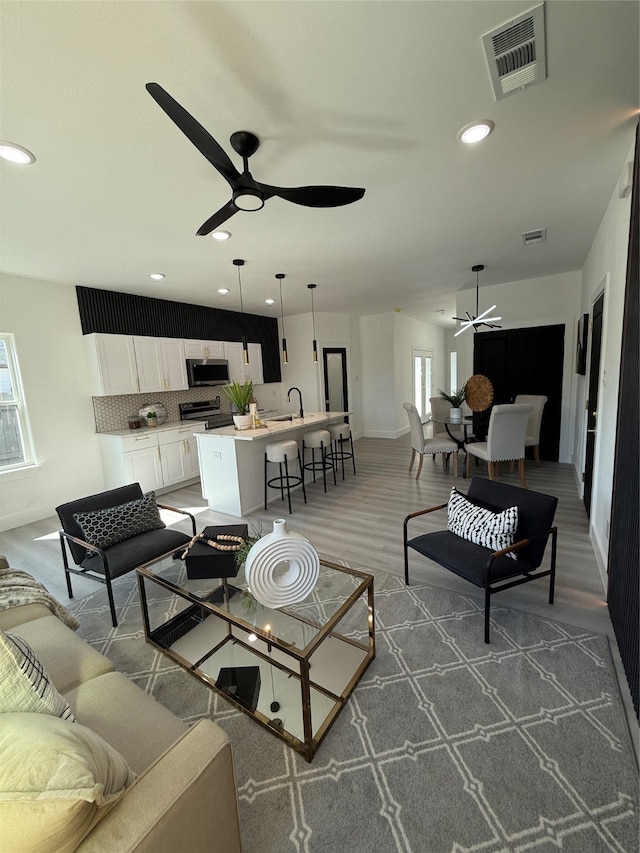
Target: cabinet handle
x,y
159,456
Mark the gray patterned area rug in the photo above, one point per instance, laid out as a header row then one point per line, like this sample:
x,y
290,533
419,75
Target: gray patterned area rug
x,y
447,745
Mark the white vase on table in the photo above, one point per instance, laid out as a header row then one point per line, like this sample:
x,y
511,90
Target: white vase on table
x,y
456,415
282,567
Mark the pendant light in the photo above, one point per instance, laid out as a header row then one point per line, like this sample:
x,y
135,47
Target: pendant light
x,y
479,319
312,287
238,262
280,276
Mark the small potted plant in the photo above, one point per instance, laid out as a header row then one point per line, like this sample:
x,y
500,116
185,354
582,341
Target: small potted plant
x,y
152,419
456,398
240,394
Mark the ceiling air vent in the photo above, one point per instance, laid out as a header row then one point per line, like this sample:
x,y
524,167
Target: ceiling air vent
x,y
537,236
515,52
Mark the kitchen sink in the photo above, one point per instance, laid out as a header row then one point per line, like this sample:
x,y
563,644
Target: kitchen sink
x,y
283,418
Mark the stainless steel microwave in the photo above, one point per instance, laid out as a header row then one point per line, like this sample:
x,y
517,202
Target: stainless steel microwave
x,y
207,371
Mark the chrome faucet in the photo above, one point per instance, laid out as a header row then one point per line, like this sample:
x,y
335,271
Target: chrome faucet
x,y
301,415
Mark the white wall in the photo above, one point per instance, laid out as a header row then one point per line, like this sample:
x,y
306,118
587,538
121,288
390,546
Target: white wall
x,y
44,318
410,333
332,330
546,301
606,264
386,342
378,375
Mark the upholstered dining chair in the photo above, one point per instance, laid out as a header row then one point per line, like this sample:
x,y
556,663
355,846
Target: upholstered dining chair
x,y
532,435
505,439
496,538
422,445
440,411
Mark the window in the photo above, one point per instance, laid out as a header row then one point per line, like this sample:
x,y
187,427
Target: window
x,y
453,372
15,443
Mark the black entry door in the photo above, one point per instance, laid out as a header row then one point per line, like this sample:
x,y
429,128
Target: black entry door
x,y
592,402
526,361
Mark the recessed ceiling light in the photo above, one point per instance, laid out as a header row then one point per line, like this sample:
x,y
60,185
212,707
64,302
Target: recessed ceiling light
x,y
156,276
16,154
269,301
476,131
221,235
223,290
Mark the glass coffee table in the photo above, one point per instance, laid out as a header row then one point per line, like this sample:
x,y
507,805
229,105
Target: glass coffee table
x,y
291,669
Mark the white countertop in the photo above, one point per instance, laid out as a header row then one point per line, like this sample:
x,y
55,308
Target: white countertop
x,y
160,428
273,428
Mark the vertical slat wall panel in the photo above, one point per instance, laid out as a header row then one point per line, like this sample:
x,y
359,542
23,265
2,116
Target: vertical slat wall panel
x,y
115,313
624,545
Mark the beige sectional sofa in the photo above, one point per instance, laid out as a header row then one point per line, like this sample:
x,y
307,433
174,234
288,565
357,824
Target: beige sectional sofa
x,y
184,793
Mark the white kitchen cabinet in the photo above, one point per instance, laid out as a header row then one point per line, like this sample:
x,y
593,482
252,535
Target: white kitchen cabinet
x,y
203,349
112,364
156,459
179,454
238,370
160,363
143,466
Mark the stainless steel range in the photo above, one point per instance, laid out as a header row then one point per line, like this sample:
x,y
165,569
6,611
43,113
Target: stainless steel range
x,y
207,411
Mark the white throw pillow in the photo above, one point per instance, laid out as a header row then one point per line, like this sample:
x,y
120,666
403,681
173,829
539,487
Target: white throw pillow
x,y
24,682
491,529
57,780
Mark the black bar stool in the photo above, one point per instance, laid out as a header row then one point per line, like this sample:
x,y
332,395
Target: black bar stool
x,y
339,434
282,452
318,439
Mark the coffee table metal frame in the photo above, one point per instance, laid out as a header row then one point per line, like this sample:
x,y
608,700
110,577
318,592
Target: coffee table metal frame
x,y
238,630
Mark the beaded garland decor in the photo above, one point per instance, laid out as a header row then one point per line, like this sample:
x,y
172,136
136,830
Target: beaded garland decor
x,y
217,543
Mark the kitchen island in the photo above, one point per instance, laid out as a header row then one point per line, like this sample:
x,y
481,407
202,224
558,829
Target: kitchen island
x,y
232,461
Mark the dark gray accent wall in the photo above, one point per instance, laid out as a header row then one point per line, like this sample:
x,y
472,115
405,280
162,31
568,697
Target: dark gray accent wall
x,y
113,313
623,594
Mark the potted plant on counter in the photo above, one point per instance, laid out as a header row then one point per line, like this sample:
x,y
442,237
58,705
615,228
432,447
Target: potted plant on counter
x,y
456,398
152,418
240,394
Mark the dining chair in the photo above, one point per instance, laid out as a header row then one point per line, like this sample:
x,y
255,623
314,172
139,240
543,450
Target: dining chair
x,y
422,445
505,439
440,412
532,435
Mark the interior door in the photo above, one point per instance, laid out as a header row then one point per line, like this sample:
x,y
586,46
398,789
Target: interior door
x,y
422,380
336,395
592,402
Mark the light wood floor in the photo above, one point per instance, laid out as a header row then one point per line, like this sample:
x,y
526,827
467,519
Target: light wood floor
x,y
360,520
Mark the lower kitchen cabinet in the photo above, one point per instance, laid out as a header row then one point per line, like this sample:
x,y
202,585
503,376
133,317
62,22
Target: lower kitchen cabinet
x,y
157,459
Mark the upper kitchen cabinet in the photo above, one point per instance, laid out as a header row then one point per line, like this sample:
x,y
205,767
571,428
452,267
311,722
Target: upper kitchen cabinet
x,y
112,364
161,364
203,349
238,370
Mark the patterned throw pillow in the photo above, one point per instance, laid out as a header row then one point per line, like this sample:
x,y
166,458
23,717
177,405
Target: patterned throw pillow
x,y
106,527
494,530
24,683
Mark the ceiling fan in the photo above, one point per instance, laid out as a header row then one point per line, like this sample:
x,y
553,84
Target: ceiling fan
x,y
247,193
479,319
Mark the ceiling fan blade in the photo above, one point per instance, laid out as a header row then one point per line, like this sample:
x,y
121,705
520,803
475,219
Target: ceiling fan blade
x,y
195,132
319,196
217,219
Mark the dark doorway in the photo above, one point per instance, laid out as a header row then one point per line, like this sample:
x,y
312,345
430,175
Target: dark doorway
x,y
336,395
526,361
592,402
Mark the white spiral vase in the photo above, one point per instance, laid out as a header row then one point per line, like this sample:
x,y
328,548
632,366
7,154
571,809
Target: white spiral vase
x,y
282,567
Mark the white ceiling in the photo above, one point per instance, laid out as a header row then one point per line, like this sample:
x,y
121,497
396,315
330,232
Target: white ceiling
x,y
364,94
